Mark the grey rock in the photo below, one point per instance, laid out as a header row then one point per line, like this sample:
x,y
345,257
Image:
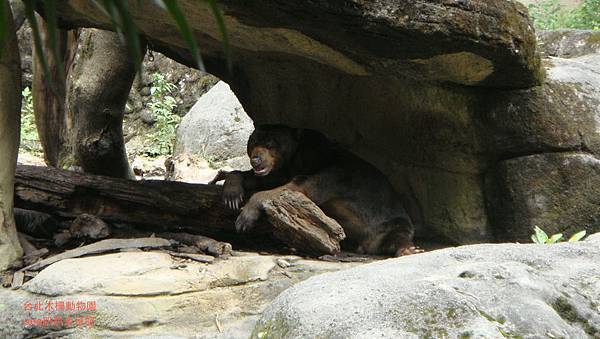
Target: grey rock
x,y
148,117
558,192
150,294
480,291
145,91
190,168
25,49
569,43
216,128
241,163
89,226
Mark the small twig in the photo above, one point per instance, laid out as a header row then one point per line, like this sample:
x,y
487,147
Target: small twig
x,y
218,323
100,247
207,259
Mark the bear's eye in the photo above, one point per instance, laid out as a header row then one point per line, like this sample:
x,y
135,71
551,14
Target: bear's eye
x,y
270,144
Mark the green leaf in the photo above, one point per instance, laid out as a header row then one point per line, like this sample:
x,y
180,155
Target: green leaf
x,y
577,236
37,43
221,24
555,238
541,236
535,239
185,31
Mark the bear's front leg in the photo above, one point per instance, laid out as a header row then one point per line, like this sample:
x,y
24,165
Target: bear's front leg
x,y
251,211
233,190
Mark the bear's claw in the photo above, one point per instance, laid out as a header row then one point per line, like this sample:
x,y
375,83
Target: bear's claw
x,y
245,221
233,198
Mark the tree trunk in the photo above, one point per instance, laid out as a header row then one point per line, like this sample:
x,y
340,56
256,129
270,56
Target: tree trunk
x,y
295,220
10,120
161,204
52,121
101,82
18,12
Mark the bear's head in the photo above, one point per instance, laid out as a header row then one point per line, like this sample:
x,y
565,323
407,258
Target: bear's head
x,y
271,148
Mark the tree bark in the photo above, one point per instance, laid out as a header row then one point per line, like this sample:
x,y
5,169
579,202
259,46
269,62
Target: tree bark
x,y
101,82
302,224
10,121
49,95
296,221
18,12
146,202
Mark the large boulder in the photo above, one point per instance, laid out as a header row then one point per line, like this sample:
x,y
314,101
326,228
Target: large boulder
x,y
478,291
569,43
549,141
216,128
151,294
436,94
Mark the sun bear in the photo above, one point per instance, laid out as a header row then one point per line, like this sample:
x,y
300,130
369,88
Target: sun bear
x,y
346,188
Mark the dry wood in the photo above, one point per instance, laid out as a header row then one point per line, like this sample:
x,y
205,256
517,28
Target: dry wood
x,y
27,246
18,279
100,247
35,256
302,225
161,204
296,221
205,244
207,259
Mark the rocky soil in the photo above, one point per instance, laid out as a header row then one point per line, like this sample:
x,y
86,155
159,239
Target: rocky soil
x,y
152,294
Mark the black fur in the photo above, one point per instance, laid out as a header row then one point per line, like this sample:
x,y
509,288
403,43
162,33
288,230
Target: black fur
x,y
344,186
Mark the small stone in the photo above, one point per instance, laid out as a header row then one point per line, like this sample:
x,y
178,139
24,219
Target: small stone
x,y
145,91
283,264
89,226
62,238
147,117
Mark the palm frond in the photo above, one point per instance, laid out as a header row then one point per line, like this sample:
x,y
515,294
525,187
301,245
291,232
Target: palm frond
x,y
221,24
119,15
3,25
123,23
37,40
185,31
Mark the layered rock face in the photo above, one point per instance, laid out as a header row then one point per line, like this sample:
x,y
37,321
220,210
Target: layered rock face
x,y
447,98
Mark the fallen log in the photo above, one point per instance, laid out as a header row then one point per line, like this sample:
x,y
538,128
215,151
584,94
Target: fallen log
x,y
166,205
302,224
162,204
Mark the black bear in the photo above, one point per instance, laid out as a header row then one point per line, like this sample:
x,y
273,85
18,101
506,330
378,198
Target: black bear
x,y
346,188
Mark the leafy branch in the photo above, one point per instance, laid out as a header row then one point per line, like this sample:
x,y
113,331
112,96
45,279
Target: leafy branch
x,y
540,237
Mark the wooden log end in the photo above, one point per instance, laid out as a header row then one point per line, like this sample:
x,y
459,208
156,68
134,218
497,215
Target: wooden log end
x,y
301,224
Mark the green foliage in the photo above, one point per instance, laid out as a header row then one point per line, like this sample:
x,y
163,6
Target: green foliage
x,y
160,140
540,237
549,14
119,15
546,14
29,136
586,16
